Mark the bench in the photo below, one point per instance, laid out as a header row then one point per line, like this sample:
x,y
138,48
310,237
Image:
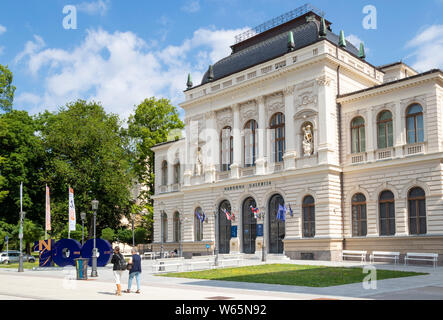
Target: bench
x,y
385,255
224,262
354,254
151,255
414,256
173,262
210,262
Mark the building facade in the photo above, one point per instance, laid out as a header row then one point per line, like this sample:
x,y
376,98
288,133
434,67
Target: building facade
x,y
296,118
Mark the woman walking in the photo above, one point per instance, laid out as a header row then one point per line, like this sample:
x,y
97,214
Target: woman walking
x,y
119,266
135,271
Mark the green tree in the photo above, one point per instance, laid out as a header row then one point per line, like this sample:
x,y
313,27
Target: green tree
x,y
140,235
31,233
124,236
76,235
87,150
23,160
6,89
153,122
108,234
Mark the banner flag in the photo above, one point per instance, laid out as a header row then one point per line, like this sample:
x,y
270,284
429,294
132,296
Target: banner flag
x,y
72,221
228,216
48,210
255,211
281,213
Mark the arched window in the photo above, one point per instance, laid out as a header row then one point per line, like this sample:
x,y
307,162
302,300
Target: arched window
x,y
414,124
164,227
359,222
278,136
417,211
227,151
177,227
164,173
250,143
308,217
386,205
358,142
198,224
385,131
177,172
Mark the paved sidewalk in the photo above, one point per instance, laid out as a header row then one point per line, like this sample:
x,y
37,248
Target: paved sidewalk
x,y
56,285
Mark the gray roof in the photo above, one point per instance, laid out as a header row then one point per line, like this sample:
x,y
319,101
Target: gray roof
x,y
271,48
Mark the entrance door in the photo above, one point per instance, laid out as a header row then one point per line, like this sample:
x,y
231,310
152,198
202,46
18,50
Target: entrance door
x,y
249,226
224,228
276,226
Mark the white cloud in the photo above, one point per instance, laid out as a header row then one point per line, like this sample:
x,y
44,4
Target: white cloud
x,y
427,48
93,8
2,49
355,40
191,6
119,69
2,29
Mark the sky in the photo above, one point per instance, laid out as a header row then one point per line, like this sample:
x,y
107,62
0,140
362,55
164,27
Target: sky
x,y
122,52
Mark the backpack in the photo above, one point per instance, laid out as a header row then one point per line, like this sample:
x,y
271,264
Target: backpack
x,y
122,262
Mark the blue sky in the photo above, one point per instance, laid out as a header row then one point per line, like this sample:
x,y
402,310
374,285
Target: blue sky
x,y
121,53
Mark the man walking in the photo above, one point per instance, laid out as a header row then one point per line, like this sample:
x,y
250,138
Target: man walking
x,y
135,271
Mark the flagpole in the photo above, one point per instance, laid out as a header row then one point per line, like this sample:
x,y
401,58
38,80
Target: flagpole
x,y
46,218
69,229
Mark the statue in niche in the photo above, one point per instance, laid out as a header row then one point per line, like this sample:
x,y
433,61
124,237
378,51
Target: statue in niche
x,y
199,163
308,145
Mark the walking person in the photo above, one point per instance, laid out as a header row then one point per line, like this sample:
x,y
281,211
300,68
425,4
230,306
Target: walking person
x,y
135,270
119,266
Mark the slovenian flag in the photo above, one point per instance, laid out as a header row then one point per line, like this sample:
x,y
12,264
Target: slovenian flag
x,y
290,211
254,211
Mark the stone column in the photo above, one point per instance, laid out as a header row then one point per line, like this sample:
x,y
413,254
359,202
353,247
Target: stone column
x,y
261,135
399,130
290,152
326,126
371,136
236,130
188,168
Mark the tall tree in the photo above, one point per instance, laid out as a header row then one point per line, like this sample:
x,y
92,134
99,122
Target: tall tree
x,y
6,89
152,123
23,160
87,150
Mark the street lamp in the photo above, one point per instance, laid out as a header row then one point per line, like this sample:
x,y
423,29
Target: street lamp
x,y
263,250
133,235
94,204
216,231
83,217
20,235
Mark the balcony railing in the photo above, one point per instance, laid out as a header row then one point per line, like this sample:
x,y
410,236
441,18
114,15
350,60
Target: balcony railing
x,y
412,149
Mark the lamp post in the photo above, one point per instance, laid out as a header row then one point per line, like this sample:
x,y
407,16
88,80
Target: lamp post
x,y
94,204
263,249
20,235
83,217
133,234
216,235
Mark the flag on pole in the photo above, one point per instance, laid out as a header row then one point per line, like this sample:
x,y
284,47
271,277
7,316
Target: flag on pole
x,y
72,221
228,216
290,211
48,210
281,213
200,217
255,212
203,216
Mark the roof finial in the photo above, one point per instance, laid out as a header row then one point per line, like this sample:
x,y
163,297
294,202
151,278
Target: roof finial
x,y
361,53
211,73
291,43
322,31
342,41
189,84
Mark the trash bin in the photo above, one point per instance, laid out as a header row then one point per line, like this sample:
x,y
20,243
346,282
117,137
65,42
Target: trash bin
x,y
81,265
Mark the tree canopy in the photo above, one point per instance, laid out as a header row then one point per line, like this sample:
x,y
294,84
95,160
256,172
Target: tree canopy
x,y
6,89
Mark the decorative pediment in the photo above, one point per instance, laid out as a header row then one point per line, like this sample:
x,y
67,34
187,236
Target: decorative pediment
x,y
274,103
224,118
248,111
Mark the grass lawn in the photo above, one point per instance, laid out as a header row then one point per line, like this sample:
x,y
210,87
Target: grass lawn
x,y
26,265
290,274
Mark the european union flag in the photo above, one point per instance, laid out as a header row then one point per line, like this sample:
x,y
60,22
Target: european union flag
x,y
281,213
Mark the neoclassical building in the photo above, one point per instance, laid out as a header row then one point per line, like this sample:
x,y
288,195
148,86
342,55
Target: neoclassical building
x,y
296,117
